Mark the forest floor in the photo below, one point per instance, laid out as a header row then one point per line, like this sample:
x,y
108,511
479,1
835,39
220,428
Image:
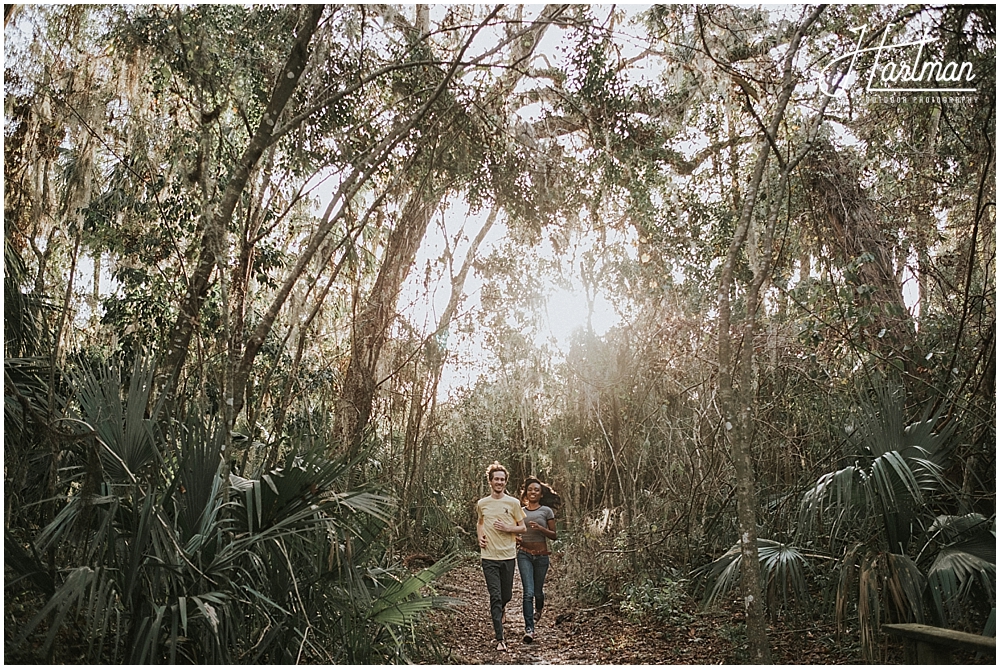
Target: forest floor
x,y
574,633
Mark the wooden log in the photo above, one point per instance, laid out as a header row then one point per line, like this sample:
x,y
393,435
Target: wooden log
x,y
933,645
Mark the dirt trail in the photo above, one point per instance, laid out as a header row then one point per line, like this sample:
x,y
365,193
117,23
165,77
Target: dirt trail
x,y
568,633
573,633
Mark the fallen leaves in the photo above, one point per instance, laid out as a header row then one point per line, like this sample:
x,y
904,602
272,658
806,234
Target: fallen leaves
x,y
570,633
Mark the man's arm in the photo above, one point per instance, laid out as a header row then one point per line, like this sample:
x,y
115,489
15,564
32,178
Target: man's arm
x,y
520,528
513,528
481,531
501,526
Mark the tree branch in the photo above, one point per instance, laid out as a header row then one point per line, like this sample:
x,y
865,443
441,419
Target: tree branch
x,y
211,245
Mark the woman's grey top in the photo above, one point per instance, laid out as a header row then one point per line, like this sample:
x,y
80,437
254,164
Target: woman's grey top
x,y
541,515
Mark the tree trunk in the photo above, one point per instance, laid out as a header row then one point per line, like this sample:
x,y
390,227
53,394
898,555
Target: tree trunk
x,y
428,377
736,401
371,327
365,170
859,236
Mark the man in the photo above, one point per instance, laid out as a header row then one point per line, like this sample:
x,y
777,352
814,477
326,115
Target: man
x,y
500,518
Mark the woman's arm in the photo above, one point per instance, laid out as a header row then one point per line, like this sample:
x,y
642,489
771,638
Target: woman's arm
x,y
549,532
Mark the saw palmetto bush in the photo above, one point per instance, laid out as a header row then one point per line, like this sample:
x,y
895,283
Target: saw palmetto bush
x,y
157,555
783,566
884,519
28,377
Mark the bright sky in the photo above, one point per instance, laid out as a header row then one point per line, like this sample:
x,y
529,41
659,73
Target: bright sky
x,y
564,312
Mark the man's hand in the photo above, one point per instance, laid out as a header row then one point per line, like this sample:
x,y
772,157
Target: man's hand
x,y
482,541
501,526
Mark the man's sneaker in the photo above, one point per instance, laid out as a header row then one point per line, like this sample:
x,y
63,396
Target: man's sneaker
x,y
529,636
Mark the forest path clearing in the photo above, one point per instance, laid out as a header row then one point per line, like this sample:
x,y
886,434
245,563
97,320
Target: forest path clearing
x,y
566,634
574,633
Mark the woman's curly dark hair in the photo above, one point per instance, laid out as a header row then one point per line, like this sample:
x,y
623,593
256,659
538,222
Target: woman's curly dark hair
x,y
550,497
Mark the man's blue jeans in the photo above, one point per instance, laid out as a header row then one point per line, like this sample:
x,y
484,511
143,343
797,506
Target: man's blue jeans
x,y
532,569
500,584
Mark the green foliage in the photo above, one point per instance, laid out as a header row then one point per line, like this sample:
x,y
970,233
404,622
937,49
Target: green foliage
x,y
662,600
125,423
964,564
161,558
896,469
593,591
23,326
894,557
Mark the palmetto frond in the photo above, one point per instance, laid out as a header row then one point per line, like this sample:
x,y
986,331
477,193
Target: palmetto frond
x,y
888,585
198,478
783,567
378,610
966,559
28,447
126,428
881,424
839,494
886,490
25,382
881,502
397,605
83,589
305,491
722,574
23,325
895,467
953,574
950,529
25,566
168,561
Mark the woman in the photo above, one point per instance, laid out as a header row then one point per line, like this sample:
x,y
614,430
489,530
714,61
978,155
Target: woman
x,y
538,501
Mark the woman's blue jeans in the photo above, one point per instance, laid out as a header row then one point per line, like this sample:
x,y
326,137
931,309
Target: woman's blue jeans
x,y
532,569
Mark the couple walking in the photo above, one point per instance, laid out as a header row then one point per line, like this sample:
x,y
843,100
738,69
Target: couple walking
x,y
511,529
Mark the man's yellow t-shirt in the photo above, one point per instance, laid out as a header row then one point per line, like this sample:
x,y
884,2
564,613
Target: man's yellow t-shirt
x,y
499,545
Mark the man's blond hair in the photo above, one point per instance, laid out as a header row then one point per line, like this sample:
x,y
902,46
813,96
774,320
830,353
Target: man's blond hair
x,y
496,467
